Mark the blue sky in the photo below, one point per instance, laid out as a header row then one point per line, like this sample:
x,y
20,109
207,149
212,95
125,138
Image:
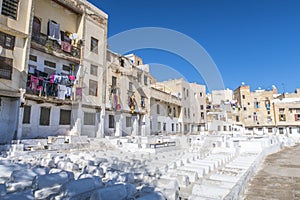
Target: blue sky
x,y
251,41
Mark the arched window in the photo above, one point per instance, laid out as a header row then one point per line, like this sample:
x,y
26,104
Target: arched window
x,y
36,27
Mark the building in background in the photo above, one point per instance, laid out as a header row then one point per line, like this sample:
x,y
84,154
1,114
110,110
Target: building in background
x,y
127,102
193,104
256,110
287,113
165,110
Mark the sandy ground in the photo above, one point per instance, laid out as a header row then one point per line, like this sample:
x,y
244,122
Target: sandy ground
x,y
278,177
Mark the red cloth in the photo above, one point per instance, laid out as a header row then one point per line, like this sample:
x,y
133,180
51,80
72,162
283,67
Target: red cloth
x,y
67,47
72,78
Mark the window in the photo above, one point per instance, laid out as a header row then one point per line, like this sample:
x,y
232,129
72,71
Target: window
x,y
67,68
121,62
33,58
297,110
202,115
7,41
169,111
10,8
269,112
185,112
94,70
174,112
237,118
201,107
245,108
111,121
281,110
173,127
36,28
256,103
297,117
6,68
45,116
219,128
49,71
143,102
49,64
243,96
225,128
187,92
269,118
89,119
128,121
114,81
164,126
270,130
130,86
139,77
281,131
158,126
157,109
93,87
26,115
282,117
145,80
189,113
254,116
267,104
65,117
94,45
201,94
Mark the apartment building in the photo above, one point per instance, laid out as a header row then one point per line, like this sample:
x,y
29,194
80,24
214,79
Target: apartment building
x,y
255,109
193,104
64,75
14,44
127,102
287,113
165,109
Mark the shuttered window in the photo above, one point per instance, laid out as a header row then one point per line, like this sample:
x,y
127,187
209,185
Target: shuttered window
x,y
89,119
26,115
6,68
10,8
65,117
45,116
7,41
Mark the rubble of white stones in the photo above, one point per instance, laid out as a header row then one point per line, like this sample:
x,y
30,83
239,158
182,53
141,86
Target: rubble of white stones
x,y
201,170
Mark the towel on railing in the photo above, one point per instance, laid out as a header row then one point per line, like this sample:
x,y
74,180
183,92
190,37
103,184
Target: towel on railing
x,y
65,46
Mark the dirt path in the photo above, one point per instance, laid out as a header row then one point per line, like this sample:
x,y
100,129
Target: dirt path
x,y
278,177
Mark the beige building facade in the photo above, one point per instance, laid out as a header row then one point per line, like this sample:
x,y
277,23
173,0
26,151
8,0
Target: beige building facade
x,y
193,104
255,109
15,24
127,101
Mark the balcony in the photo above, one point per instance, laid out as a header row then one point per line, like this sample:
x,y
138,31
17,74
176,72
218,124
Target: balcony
x,y
58,90
65,50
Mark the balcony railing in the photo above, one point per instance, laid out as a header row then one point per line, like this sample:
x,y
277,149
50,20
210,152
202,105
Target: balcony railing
x,y
52,45
49,90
